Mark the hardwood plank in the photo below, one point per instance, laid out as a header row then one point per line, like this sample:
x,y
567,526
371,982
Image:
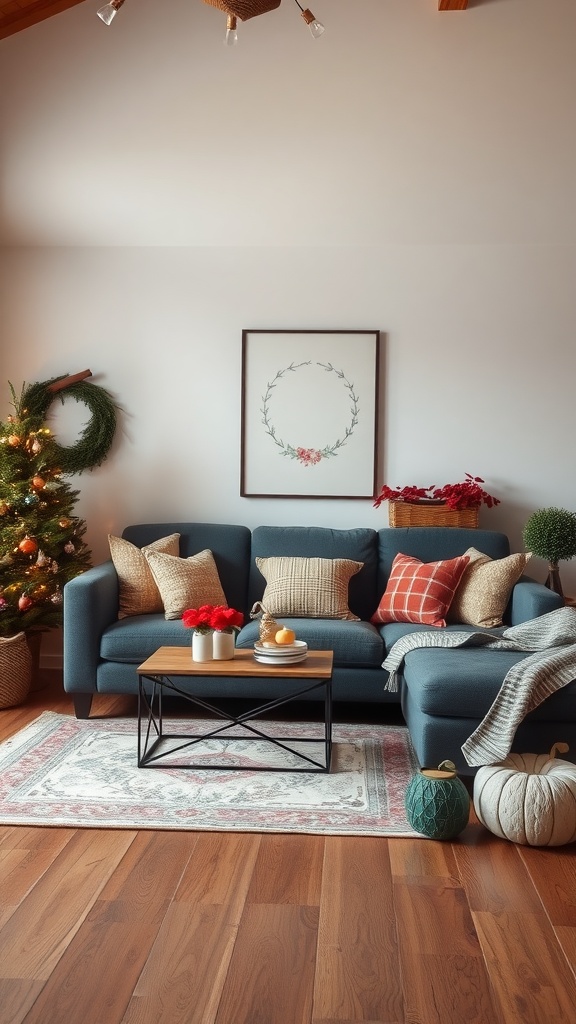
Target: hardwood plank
x,y
271,974
567,939
116,936
357,975
26,862
16,996
532,981
288,870
421,860
440,988
183,977
443,972
36,935
219,870
553,872
495,877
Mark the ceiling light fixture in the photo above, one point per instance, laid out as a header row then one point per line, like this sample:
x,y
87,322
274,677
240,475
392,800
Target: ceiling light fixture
x,y
316,27
234,9
109,11
231,37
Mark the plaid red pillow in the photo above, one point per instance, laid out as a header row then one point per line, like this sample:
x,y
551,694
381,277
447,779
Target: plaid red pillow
x,y
420,591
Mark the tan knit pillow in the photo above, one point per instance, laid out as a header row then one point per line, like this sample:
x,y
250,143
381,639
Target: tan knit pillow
x,y
186,582
308,587
138,593
485,588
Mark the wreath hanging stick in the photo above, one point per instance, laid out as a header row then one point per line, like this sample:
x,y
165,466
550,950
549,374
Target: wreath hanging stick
x,y
95,440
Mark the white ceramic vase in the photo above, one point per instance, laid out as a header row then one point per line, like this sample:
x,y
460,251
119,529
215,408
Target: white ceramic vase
x,y
202,646
223,645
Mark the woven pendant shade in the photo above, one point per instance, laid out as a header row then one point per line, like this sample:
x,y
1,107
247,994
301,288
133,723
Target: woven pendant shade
x,y
244,9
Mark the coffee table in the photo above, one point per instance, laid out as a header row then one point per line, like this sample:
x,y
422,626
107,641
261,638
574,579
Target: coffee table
x,y
156,678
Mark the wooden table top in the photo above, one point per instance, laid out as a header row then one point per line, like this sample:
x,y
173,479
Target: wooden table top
x,y
177,661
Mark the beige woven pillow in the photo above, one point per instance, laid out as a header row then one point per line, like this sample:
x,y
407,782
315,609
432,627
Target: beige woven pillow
x,y
308,587
485,588
138,593
186,582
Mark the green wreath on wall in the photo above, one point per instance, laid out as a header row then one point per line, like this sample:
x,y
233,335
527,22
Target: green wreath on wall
x,y
95,440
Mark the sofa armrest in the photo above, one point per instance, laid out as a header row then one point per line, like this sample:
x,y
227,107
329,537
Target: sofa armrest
x,y
531,599
90,605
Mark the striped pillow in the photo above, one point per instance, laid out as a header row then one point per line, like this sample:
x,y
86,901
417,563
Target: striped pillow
x,y
420,591
315,588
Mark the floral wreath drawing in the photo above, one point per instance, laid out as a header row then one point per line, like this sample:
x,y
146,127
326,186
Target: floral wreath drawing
x,y
309,456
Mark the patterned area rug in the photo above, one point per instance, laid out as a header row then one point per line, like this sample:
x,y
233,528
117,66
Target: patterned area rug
x,y
83,773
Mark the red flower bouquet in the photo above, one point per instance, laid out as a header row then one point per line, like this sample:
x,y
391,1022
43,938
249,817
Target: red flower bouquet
x,y
467,494
210,617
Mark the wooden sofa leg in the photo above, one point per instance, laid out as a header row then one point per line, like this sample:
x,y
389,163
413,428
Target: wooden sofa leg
x,y
82,704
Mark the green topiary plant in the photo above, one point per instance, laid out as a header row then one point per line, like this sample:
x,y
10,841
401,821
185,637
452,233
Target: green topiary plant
x,y
551,533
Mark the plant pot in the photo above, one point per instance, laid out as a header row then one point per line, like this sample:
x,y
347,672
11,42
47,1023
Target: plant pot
x,y
223,645
15,670
201,646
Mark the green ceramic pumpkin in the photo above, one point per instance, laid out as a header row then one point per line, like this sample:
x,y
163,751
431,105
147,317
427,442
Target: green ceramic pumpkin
x,y
437,802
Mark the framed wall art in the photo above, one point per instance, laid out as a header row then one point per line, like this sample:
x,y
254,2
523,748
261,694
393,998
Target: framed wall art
x,y
309,414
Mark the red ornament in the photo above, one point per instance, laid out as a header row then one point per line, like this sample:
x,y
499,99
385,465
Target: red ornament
x,y
38,482
28,546
13,440
24,602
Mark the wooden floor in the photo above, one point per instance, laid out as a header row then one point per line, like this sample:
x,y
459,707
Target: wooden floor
x,y
103,927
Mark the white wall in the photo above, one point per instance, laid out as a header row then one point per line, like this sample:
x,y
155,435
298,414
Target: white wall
x,y
411,172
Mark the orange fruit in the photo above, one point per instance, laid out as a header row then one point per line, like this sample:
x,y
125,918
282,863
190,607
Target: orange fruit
x,y
285,636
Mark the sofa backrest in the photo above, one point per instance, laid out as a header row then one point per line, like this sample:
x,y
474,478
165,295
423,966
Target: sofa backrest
x,y
320,542
432,543
230,546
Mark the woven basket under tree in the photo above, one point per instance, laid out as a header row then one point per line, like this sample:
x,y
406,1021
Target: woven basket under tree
x,y
15,670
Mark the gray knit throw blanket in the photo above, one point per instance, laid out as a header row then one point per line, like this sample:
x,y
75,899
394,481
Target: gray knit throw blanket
x,y
552,638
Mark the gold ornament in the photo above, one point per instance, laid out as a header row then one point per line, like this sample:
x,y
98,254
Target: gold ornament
x,y
38,482
268,628
3,508
14,440
36,446
64,523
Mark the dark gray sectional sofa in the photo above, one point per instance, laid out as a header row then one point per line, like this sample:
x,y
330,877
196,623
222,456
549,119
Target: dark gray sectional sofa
x,y
444,693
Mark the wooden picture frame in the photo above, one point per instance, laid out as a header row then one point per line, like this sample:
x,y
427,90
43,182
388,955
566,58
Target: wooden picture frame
x,y
309,414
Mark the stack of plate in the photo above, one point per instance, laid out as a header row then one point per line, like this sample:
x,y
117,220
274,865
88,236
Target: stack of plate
x,y
281,654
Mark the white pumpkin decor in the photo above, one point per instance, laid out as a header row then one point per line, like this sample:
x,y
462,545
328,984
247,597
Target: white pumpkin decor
x,y
529,798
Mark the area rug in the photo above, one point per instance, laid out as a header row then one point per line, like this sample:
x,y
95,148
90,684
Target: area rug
x,y
60,770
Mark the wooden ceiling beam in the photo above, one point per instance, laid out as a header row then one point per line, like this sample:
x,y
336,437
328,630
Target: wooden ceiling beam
x,y
16,16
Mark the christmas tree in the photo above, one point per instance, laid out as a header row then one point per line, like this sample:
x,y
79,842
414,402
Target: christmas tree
x,y
41,545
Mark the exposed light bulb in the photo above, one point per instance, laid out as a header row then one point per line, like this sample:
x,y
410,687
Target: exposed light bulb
x,y
316,27
109,11
231,37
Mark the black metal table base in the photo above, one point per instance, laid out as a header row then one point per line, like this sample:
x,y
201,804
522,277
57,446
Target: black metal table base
x,y
152,739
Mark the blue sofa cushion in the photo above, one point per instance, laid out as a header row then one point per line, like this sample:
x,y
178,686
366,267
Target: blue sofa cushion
x,y
463,683
135,639
354,643
321,542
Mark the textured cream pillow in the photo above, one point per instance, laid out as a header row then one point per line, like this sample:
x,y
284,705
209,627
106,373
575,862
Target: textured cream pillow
x,y
186,582
308,587
139,594
485,588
